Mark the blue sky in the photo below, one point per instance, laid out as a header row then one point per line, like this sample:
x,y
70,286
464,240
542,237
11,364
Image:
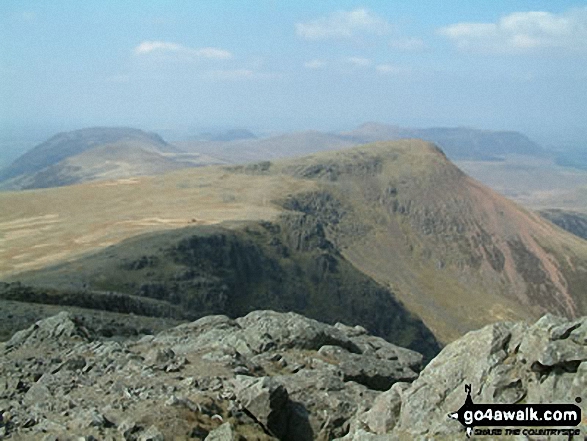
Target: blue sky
x,y
280,66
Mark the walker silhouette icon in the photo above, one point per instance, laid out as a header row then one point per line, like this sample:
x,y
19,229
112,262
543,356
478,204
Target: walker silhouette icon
x,y
459,415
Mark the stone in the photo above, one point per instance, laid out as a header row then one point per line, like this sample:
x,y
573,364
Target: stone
x,y
62,326
151,434
222,433
305,380
128,428
266,400
368,370
384,414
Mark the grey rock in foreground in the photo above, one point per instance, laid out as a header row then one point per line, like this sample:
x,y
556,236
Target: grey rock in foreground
x,y
272,376
505,363
260,377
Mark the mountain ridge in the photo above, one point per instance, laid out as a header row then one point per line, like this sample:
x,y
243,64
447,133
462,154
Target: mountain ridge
x,y
95,153
73,157
454,253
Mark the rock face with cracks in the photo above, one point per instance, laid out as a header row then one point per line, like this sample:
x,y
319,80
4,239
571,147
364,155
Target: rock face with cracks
x,y
270,376
264,376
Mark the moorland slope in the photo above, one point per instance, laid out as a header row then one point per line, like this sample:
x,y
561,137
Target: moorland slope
x,y
92,154
449,250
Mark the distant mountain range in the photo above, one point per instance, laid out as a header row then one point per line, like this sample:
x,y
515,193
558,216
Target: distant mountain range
x,y
111,153
458,143
229,135
94,153
329,235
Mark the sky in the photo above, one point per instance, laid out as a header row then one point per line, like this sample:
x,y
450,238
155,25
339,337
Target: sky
x,y
274,66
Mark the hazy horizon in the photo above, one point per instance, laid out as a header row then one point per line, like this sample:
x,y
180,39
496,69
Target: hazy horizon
x,y
280,67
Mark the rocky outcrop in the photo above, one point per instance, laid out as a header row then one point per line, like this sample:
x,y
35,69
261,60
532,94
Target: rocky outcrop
x,y
272,375
287,265
264,376
571,221
504,363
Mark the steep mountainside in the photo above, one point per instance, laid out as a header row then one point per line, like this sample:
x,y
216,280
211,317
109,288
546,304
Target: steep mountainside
x,y
571,221
96,153
456,253
287,265
452,252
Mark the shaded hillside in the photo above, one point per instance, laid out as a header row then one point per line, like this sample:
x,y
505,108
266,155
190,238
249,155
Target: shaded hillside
x,y
571,221
96,153
111,161
456,253
64,145
189,273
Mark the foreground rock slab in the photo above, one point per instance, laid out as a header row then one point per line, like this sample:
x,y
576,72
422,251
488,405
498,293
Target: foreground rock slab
x,y
275,376
264,376
504,363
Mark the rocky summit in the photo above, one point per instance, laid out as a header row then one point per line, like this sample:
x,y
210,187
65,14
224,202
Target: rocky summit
x,y
272,375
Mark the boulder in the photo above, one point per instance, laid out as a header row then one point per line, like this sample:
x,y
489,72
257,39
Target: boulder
x,y
266,401
223,432
52,330
368,370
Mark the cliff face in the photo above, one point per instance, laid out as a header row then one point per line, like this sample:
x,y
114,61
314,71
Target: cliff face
x,y
406,216
270,376
288,265
571,221
392,236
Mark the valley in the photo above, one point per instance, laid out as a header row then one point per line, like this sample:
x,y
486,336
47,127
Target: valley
x,y
398,213
292,221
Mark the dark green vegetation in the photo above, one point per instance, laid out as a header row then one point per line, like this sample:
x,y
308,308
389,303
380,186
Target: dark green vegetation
x,y
571,221
186,274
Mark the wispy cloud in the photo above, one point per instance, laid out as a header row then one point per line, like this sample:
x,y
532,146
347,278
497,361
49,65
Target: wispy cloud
x,y
236,74
147,47
522,32
314,64
389,69
343,24
28,16
358,61
408,44
118,79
